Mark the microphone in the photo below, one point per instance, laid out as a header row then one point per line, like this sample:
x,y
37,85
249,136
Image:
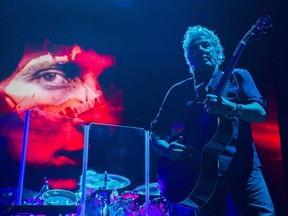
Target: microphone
x,y
105,179
46,185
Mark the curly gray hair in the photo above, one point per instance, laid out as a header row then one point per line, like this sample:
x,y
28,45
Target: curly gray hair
x,y
195,32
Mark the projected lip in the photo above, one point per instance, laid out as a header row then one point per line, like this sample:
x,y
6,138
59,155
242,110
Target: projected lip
x,y
63,157
68,184
62,160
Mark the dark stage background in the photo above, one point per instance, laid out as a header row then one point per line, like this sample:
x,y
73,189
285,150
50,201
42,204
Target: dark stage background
x,y
144,37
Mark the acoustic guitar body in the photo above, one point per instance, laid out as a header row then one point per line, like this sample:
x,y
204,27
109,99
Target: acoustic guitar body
x,y
195,176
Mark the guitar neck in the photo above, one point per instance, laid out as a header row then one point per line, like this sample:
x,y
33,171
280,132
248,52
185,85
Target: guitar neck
x,y
256,31
229,69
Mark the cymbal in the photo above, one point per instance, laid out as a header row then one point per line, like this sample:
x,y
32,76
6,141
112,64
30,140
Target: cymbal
x,y
107,181
153,189
9,195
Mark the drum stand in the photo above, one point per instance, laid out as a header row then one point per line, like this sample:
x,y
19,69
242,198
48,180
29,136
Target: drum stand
x,y
103,201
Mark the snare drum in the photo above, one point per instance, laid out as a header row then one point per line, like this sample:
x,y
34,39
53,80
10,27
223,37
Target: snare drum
x,y
59,197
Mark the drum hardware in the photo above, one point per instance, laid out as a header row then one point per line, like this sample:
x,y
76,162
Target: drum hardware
x,y
100,202
114,196
97,203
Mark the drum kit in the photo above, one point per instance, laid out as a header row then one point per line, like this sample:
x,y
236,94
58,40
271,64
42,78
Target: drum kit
x,y
104,201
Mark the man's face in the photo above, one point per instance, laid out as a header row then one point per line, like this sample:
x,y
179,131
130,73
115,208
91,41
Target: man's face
x,y
202,55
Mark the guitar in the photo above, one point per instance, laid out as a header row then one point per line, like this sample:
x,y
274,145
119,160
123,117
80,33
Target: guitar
x,y
73,108
192,179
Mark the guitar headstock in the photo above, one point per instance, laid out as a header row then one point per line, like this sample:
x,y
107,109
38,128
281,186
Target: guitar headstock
x,y
258,29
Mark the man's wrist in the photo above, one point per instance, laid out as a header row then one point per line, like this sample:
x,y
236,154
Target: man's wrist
x,y
239,110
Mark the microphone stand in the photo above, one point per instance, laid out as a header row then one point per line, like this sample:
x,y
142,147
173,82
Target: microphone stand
x,y
104,196
44,188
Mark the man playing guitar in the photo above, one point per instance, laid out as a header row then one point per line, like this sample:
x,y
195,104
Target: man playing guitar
x,y
182,135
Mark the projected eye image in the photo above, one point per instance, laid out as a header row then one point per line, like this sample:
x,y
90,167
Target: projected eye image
x,y
61,90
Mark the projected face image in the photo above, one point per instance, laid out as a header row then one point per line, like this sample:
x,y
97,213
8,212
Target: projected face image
x,y
47,81
62,92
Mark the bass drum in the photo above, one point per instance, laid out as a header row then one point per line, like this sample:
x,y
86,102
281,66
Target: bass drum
x,y
59,197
